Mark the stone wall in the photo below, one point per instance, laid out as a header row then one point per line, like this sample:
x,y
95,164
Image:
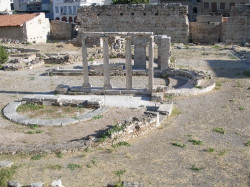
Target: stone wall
x,y
13,33
237,29
60,30
167,19
208,33
214,29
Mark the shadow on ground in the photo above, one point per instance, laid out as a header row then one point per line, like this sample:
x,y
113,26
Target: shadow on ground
x,y
228,68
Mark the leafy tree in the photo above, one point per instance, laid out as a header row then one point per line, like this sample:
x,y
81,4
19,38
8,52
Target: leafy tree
x,y
130,2
3,55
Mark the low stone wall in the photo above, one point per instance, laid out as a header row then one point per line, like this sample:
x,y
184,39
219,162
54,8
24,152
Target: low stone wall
x,y
10,110
130,129
95,70
60,30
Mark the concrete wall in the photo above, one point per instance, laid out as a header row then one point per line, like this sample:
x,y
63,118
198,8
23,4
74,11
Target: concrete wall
x,y
37,29
166,19
60,30
237,28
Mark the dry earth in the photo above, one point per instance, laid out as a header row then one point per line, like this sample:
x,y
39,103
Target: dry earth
x,y
151,159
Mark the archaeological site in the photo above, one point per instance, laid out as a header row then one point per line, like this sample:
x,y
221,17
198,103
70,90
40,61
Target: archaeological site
x,y
126,95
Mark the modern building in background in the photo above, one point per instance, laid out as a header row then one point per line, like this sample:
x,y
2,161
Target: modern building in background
x,y
205,7
221,7
5,6
33,6
66,10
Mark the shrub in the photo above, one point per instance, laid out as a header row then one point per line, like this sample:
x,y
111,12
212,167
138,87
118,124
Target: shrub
x,y
3,55
219,130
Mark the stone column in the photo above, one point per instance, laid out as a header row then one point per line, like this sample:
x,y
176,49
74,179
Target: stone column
x,y
151,63
164,52
140,52
86,84
107,84
129,71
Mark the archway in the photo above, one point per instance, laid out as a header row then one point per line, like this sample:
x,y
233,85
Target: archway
x,y
64,19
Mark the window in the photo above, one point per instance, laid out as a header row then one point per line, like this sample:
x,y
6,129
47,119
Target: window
x,y
214,6
65,10
232,4
74,9
195,10
57,9
206,5
222,6
70,9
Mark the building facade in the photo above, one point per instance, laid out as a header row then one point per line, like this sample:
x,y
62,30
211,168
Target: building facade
x,y
33,28
66,10
221,7
5,6
205,7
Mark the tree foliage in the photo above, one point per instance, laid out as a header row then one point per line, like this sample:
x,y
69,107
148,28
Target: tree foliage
x,y
130,2
3,55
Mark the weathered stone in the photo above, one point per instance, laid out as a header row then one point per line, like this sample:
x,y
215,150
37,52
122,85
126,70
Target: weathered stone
x,y
62,89
56,183
165,109
14,184
37,184
5,164
132,184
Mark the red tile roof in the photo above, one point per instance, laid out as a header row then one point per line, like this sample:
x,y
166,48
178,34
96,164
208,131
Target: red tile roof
x,y
15,20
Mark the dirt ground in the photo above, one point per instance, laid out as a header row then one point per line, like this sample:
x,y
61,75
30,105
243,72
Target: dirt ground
x,y
151,159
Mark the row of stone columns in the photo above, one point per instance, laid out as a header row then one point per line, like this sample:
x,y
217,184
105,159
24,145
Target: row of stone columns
x,y
129,71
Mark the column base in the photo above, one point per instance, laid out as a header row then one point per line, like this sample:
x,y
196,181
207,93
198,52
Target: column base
x,y
86,86
107,87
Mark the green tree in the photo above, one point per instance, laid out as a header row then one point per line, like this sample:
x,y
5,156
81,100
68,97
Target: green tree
x,y
130,2
3,55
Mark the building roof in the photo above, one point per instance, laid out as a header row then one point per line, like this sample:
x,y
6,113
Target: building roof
x,y
15,20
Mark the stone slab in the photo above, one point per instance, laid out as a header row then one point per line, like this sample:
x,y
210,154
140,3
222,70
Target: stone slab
x,y
165,109
5,164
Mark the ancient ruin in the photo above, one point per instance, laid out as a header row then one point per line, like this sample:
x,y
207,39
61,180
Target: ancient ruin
x,y
130,103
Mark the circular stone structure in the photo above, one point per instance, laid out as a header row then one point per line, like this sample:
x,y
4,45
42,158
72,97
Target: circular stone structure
x,y
10,112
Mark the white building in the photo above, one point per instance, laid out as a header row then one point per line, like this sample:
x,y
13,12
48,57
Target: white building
x,y
66,10
33,28
5,6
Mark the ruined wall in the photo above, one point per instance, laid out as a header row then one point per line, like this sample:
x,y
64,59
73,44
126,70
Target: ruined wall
x,y
237,28
207,33
166,19
60,30
212,29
